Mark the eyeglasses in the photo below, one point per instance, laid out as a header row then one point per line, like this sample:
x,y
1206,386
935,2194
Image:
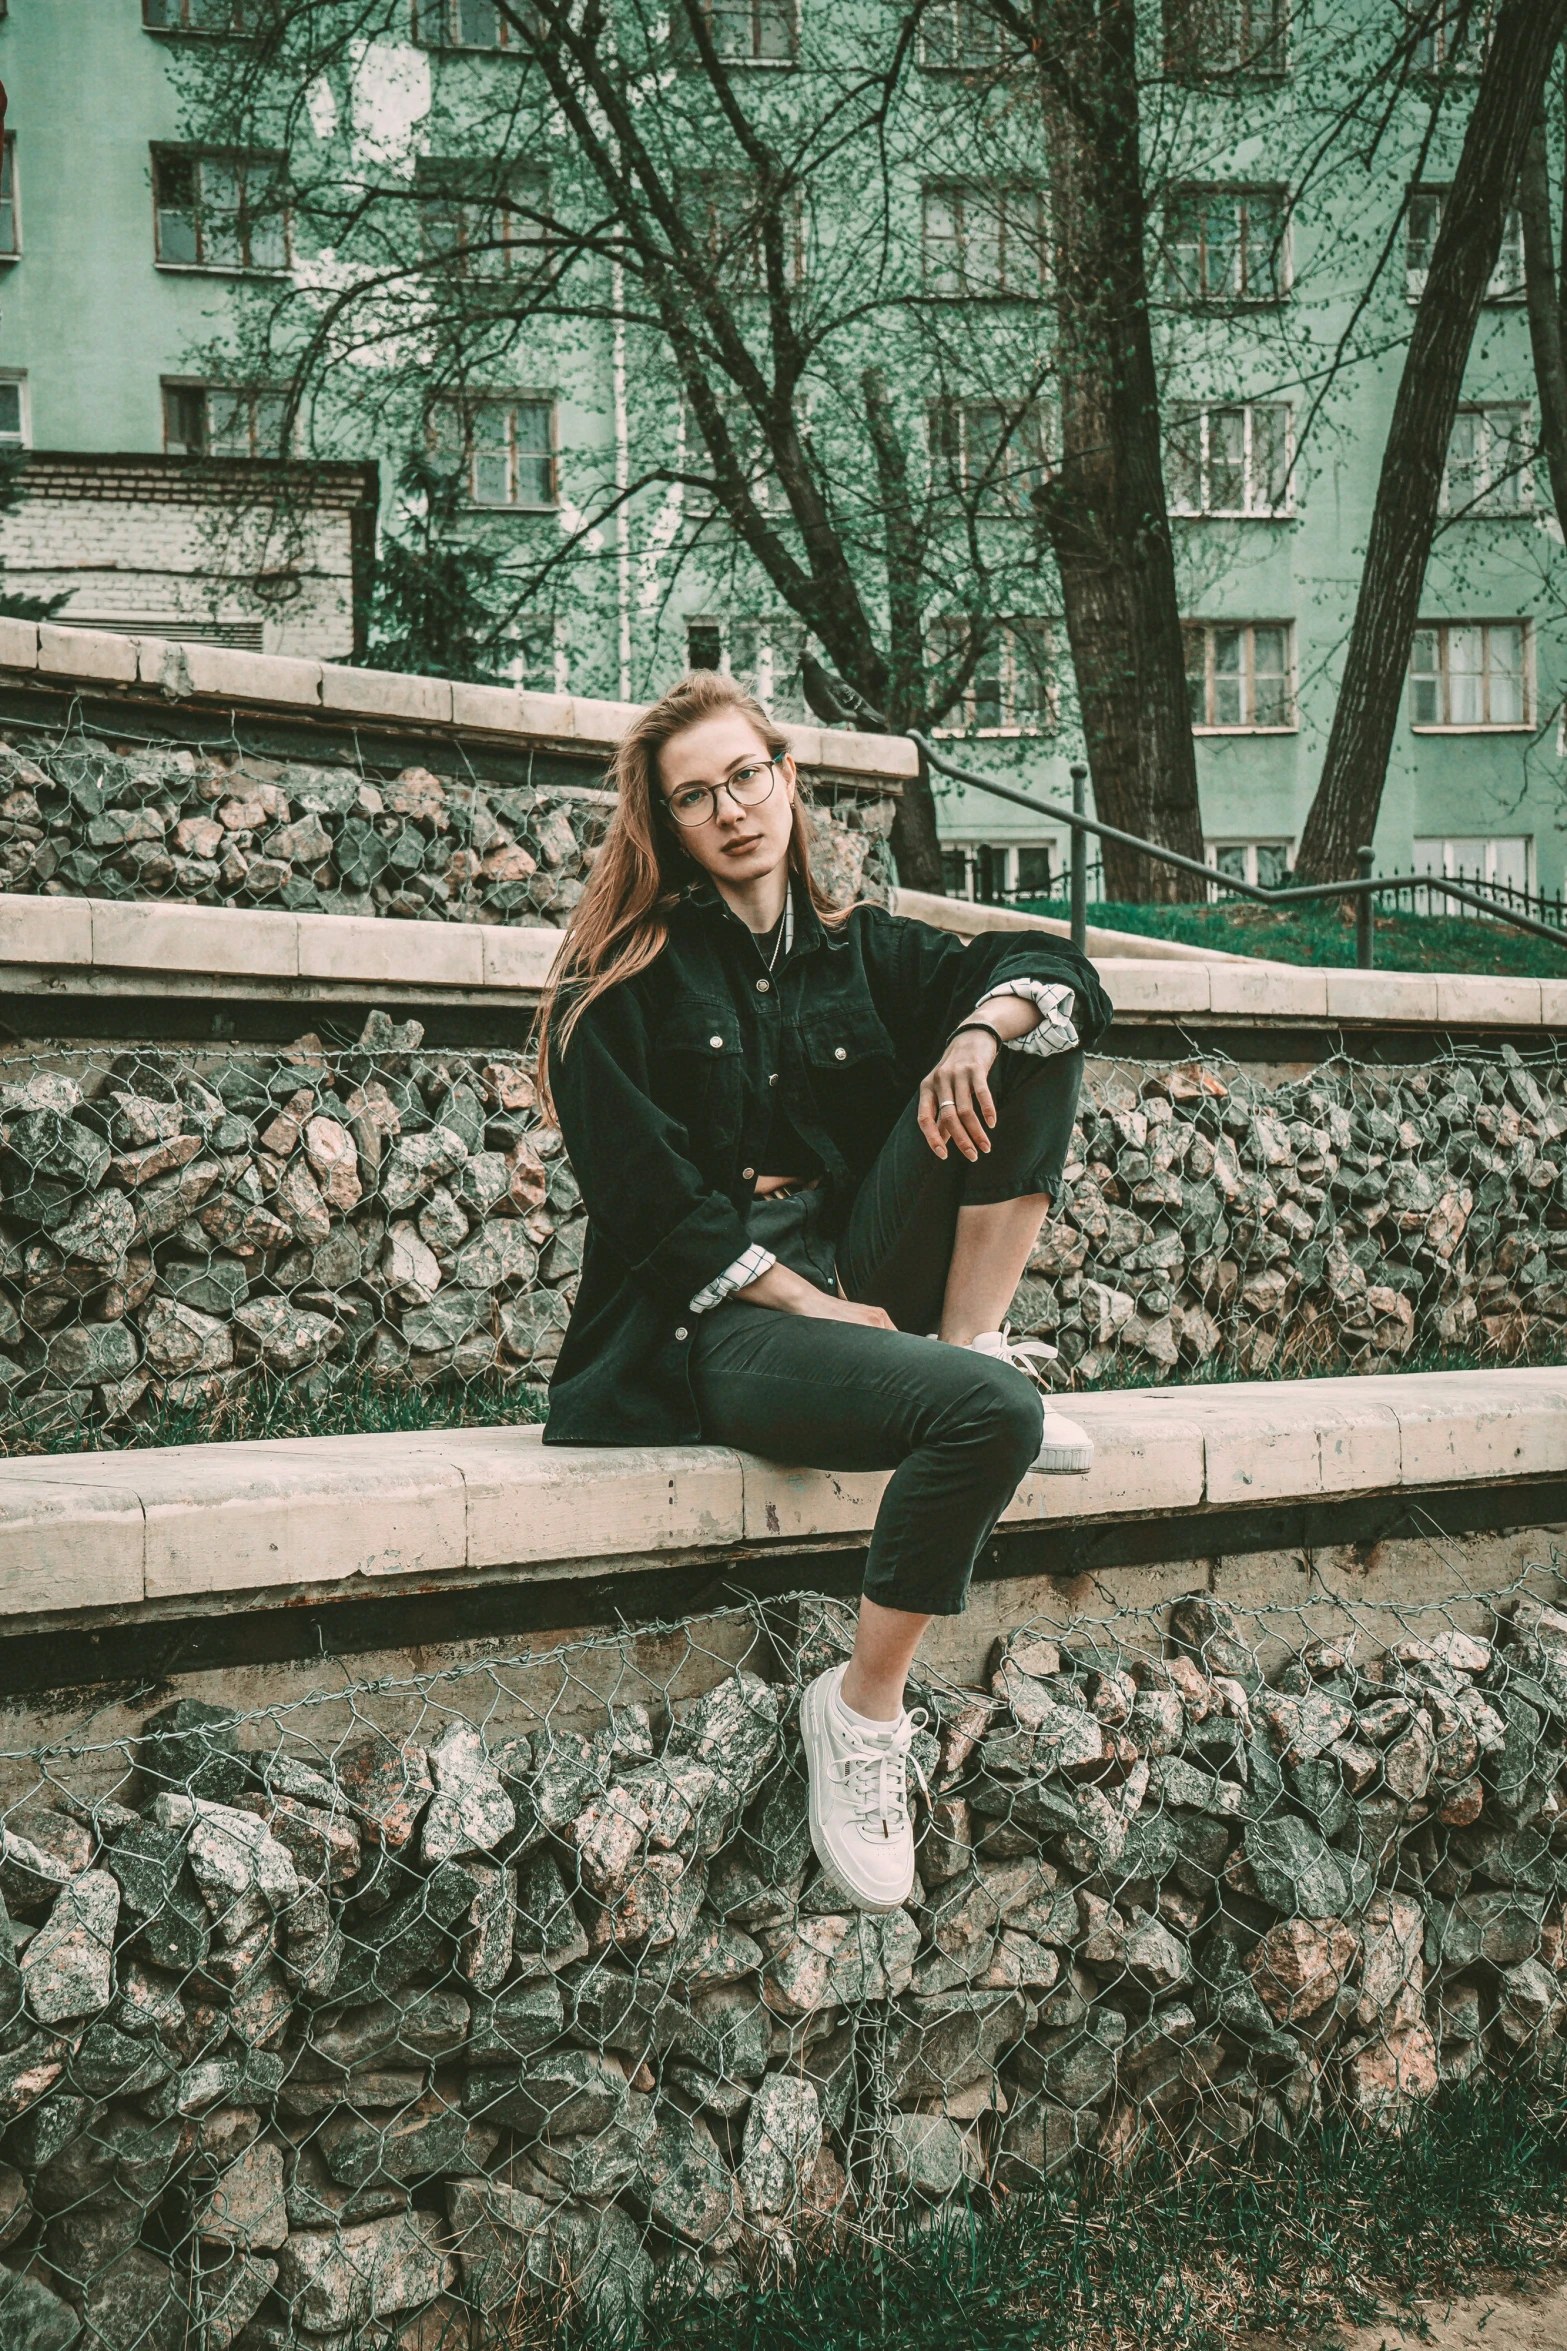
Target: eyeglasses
x,y
696,804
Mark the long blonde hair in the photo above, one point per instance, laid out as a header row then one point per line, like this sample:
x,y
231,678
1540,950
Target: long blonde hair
x,y
621,921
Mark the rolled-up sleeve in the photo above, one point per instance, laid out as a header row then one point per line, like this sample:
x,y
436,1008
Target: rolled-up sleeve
x,y
1055,1004
644,1193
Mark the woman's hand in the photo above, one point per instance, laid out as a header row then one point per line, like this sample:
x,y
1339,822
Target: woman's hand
x,y
955,1101
791,1293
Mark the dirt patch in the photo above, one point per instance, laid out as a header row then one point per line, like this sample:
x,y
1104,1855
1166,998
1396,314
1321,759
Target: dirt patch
x,y
1505,2317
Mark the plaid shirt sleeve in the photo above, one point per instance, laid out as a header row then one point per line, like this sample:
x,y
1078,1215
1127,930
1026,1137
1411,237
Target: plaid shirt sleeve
x,y
746,1269
1055,1004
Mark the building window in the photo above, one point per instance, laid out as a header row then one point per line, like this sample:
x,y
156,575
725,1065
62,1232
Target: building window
x,y
1231,460
10,209
994,872
473,24
1238,675
765,654
1493,864
743,32
1471,673
984,239
1422,222
198,16
1487,470
16,424
726,215
1265,864
1205,39
1014,689
478,224
960,36
1453,37
506,449
993,454
220,420
219,211
1225,245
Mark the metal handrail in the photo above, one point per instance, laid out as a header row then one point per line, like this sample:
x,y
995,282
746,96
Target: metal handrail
x,y
1363,890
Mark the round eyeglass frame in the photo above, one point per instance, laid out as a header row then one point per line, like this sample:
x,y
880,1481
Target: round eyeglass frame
x,y
691,824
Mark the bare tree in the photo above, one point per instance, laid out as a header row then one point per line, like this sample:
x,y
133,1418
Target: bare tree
x,y
1104,508
1343,815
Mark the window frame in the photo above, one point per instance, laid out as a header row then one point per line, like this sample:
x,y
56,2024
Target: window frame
x,y
11,194
1469,61
250,394
1523,725
1203,418
1249,844
1181,59
23,438
961,14
500,260
1522,477
465,410
1036,239
1208,725
748,60
186,31
164,153
446,42
1501,291
953,632
1029,434
1243,193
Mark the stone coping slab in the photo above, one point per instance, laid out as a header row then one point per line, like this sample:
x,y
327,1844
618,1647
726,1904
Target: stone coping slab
x,y
208,1526
159,946
191,674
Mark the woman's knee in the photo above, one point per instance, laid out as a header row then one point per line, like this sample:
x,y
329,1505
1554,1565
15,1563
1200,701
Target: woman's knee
x,y
1006,1417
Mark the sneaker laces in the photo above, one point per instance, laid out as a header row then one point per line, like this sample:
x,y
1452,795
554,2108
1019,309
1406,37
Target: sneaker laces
x,y
1025,1355
875,1774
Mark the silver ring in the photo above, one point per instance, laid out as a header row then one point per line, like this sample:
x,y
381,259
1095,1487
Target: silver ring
x,y
949,1104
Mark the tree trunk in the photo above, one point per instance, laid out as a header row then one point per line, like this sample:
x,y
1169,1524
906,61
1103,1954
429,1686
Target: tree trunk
x,y
1105,510
1403,522
916,844
1545,316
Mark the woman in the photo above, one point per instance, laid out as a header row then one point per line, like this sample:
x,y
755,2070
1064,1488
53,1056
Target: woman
x,y
804,1141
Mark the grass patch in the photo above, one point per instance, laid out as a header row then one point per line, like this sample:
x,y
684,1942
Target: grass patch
x,y
1325,934
1190,2256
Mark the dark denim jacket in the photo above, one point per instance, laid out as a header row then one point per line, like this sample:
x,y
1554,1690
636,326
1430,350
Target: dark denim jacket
x,y
664,1101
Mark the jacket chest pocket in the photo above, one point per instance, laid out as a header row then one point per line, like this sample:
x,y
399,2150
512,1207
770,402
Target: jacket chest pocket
x,y
697,1062
850,1044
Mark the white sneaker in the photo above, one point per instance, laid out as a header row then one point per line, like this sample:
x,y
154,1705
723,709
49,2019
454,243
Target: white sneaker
x,y
1065,1448
859,1799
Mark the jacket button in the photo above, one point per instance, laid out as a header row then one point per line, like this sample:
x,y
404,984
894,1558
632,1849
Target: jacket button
x,y
717,1044
748,1174
773,1078
762,987
840,1053
682,1334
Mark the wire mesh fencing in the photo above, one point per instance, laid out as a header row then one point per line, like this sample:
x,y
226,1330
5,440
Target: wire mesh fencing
x,y
417,2011
218,823
230,1240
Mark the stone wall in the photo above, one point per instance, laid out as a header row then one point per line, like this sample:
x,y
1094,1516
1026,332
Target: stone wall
x,y
341,2023
234,828
170,1221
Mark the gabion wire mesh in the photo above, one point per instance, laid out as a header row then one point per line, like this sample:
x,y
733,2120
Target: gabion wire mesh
x,y
411,2012
219,823
245,1238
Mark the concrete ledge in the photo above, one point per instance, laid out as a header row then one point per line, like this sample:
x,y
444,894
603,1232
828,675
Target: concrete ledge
x,y
163,946
189,673
100,1535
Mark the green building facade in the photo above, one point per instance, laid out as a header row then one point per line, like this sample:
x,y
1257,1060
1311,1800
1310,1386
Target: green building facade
x,y
1283,275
